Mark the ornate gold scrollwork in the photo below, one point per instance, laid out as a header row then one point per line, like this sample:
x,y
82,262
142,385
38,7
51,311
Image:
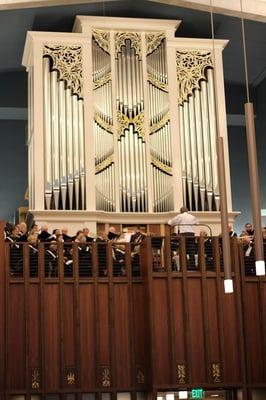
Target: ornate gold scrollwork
x,y
216,372
102,38
106,378
102,81
104,164
137,121
181,373
156,82
163,121
190,68
35,378
161,166
134,37
71,379
67,60
153,40
107,127
140,377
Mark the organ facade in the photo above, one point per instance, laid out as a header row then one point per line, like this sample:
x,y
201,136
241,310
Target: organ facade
x,y
123,123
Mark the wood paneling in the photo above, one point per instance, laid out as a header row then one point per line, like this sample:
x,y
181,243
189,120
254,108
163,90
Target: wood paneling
x,y
197,353
34,327
87,339
68,325
103,321
16,337
232,361
51,337
214,337
254,338
137,329
178,320
162,362
122,336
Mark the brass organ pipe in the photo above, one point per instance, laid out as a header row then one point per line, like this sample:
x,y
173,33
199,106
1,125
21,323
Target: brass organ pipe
x,y
55,138
138,84
212,119
62,137
200,150
76,147
183,154
188,153
137,171
123,151
145,174
141,167
133,81
129,79
47,133
124,71
132,168
81,152
127,176
194,156
206,141
69,131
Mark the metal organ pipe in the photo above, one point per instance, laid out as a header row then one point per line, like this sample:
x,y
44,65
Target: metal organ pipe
x,y
212,121
206,141
47,133
55,138
62,136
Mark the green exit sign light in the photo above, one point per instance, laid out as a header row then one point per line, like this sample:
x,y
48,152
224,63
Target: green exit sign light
x,y
197,394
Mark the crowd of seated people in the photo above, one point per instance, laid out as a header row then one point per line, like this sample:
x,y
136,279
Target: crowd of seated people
x,y
16,235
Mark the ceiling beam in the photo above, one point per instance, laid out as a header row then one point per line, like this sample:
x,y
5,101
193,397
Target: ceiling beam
x,y
252,9
17,4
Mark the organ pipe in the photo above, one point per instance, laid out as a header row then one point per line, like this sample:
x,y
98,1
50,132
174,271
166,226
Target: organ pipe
x,y
63,142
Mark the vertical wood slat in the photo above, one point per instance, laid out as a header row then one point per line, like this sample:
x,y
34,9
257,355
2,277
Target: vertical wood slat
x,y
60,267
237,281
41,272
112,342
204,296
131,310
26,271
77,348
168,266
183,261
216,254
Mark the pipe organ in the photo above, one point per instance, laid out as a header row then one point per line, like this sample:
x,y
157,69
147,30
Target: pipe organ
x,y
196,108
123,118
64,164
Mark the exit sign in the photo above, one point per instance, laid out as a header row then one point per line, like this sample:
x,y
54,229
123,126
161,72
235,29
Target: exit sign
x,y
197,394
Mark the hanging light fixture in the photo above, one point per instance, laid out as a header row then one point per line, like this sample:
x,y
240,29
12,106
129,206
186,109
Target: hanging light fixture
x,y
228,282
253,165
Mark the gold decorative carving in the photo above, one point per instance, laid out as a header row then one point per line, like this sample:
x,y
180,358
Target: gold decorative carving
x,y
153,40
181,373
216,372
102,81
106,379
67,60
104,164
157,82
161,165
71,379
102,38
35,378
103,124
134,37
137,121
190,68
163,121
140,377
